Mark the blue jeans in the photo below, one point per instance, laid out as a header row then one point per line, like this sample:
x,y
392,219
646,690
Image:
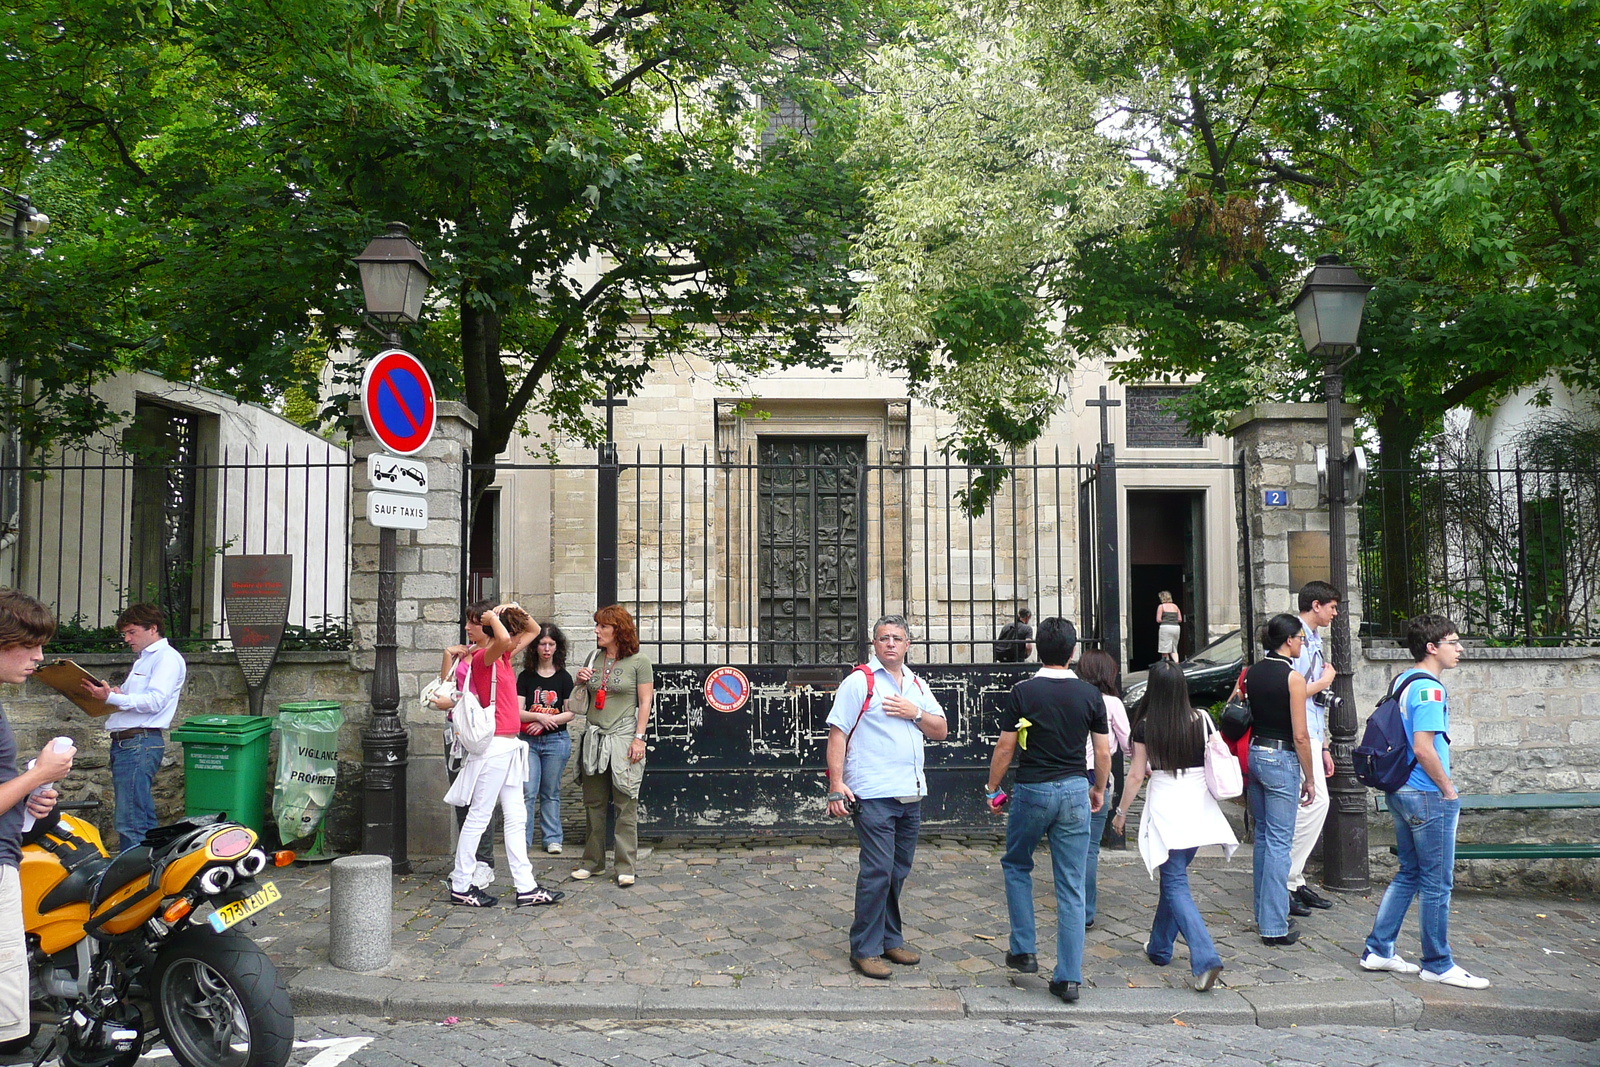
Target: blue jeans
x,y
547,758
888,832
134,762
1059,809
1091,865
1176,914
1274,802
1425,837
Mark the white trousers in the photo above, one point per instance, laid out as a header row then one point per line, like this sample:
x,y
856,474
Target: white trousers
x,y
495,784
1308,821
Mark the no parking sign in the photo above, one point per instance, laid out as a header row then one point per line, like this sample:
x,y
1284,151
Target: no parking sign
x,y
398,403
727,689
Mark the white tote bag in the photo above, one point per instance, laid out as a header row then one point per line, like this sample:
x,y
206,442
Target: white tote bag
x,y
474,722
1224,778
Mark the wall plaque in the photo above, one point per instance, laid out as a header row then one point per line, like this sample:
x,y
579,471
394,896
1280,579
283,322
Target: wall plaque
x,y
255,603
1309,559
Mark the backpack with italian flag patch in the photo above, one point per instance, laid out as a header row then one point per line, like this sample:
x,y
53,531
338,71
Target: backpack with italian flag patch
x,y
1384,759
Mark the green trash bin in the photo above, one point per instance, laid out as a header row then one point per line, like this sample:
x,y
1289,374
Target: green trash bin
x,y
225,766
308,773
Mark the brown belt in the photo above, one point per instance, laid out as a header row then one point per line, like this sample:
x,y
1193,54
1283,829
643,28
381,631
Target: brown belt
x,y
137,731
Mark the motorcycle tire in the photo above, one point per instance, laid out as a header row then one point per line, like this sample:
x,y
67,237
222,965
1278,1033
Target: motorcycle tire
x,y
220,1002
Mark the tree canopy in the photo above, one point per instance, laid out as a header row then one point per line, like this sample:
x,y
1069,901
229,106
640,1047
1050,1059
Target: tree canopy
x,y
1446,148
596,185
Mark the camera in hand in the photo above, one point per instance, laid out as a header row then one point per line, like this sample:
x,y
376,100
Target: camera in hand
x,y
1328,700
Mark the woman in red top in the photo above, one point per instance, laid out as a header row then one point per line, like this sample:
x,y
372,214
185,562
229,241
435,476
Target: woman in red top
x,y
496,775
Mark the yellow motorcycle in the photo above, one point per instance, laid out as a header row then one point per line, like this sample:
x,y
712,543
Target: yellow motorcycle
x,y
115,942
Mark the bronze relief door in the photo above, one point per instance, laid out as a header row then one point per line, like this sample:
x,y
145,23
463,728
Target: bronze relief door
x,y
811,548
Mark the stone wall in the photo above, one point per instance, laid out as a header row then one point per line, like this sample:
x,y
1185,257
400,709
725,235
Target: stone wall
x,y
215,687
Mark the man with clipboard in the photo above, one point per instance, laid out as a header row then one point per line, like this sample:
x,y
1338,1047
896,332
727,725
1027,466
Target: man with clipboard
x,y
144,705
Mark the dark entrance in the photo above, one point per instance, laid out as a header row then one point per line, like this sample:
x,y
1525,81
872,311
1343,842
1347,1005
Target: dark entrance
x,y
811,549
1166,551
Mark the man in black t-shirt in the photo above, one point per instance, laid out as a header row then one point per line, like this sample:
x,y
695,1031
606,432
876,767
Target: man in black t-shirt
x,y
1011,646
1051,720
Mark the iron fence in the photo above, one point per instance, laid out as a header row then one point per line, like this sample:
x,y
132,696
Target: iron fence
x,y
1510,553
90,532
787,555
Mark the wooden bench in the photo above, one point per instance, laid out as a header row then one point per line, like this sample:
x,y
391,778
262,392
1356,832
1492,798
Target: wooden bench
x,y
1561,850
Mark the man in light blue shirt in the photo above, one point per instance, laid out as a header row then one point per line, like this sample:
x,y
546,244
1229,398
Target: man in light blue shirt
x,y
875,773
1319,604
145,704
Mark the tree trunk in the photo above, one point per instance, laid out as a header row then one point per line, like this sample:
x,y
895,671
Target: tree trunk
x,y
1395,526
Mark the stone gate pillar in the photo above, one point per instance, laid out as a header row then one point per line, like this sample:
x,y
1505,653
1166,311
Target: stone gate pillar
x,y
1283,538
427,610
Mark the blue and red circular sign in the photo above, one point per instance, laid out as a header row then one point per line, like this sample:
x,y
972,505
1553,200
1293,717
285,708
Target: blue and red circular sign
x,y
398,403
727,689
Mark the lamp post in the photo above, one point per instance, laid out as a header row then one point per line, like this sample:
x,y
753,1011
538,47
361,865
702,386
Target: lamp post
x,y
1328,311
394,281
22,219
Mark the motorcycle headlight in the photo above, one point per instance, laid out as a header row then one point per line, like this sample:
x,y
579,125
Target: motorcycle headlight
x,y
216,879
252,864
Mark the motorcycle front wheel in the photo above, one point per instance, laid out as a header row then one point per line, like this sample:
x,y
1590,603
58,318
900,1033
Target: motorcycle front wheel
x,y
220,1002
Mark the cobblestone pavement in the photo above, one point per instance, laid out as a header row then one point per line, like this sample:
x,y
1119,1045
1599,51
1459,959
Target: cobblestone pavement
x,y
775,917
883,1043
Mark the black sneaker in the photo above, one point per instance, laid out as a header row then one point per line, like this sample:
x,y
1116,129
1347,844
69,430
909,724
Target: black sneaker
x,y
1312,899
537,896
1067,991
472,898
1298,908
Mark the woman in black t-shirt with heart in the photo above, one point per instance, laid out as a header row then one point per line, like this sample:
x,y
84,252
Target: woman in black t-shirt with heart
x,y
543,687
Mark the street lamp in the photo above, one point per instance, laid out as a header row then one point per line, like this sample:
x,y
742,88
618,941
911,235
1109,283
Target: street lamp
x,y
1328,311
394,278
394,282
22,218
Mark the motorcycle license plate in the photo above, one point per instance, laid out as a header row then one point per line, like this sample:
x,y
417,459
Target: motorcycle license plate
x,y
232,914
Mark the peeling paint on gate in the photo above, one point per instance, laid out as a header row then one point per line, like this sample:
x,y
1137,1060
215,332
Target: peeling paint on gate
x,y
761,768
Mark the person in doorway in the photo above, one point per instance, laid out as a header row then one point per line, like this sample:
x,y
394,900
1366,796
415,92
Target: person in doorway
x,y
1169,627
1280,771
145,705
615,694
544,686
876,734
1319,603
1013,643
25,626
493,778
1099,669
1180,818
1057,723
1425,812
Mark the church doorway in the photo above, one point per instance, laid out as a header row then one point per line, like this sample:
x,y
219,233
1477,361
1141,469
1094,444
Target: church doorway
x,y
811,549
1166,552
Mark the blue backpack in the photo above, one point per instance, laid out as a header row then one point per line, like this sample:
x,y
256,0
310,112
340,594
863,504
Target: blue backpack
x,y
1384,760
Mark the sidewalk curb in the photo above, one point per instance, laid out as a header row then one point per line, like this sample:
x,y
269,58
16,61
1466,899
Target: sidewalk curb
x,y
325,990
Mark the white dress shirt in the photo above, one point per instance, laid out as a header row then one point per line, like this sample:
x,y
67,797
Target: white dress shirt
x,y
150,695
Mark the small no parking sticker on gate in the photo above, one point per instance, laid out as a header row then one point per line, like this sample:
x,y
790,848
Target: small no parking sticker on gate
x,y
727,689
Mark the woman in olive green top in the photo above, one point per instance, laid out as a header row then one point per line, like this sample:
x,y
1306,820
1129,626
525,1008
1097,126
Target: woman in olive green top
x,y
615,689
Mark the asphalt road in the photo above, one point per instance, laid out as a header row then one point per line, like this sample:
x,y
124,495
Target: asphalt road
x,y
330,1042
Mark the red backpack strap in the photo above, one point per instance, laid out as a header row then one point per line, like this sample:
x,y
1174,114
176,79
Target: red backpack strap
x,y
871,678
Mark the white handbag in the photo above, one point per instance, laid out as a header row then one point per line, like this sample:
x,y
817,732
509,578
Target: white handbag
x,y
1224,778
439,687
474,722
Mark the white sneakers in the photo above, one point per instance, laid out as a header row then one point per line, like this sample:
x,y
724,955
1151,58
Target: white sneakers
x,y
582,874
483,875
554,848
1374,962
1458,977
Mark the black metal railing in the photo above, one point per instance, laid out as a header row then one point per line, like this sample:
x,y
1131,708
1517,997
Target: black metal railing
x,y
90,532
777,558
1510,553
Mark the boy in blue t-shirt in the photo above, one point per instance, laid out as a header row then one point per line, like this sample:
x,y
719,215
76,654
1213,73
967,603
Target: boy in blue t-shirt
x,y
1425,811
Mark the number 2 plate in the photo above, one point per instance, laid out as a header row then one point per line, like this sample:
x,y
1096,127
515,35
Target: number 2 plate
x,y
232,914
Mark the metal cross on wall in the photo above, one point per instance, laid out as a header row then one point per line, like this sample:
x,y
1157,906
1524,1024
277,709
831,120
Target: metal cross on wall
x,y
1105,423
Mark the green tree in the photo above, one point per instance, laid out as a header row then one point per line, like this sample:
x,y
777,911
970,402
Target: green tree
x,y
1444,147
596,185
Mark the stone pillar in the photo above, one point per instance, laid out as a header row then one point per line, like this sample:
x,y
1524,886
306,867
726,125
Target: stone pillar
x,y
427,609
1277,444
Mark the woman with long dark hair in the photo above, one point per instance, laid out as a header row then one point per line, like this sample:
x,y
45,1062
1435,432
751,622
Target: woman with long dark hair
x,y
1180,817
615,690
1280,770
493,778
544,686
1099,669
